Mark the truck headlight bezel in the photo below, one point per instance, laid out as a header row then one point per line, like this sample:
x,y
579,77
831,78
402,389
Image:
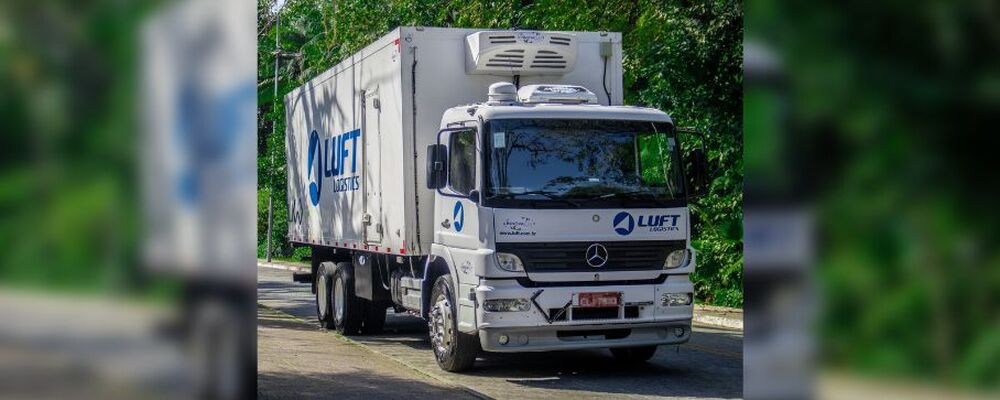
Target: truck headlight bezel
x,y
676,299
509,262
506,305
677,259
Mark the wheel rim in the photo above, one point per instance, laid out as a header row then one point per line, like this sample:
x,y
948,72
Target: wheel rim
x,y
441,326
338,304
321,297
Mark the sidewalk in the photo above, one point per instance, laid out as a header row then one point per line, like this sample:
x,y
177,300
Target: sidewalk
x,y
714,316
297,360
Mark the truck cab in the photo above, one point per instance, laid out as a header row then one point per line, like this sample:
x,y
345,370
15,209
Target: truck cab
x,y
563,224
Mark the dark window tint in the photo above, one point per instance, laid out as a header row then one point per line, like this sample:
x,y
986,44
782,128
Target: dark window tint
x,y
583,160
462,162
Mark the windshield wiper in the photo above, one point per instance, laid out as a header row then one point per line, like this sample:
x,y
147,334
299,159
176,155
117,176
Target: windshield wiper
x,y
546,193
635,195
632,194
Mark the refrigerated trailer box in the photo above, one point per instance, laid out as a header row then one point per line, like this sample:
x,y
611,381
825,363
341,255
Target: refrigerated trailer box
x,y
356,133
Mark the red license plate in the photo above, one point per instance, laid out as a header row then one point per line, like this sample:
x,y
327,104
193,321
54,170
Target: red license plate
x,y
599,299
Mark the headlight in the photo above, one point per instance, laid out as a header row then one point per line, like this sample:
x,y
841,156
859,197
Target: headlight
x,y
677,259
509,262
506,305
675,299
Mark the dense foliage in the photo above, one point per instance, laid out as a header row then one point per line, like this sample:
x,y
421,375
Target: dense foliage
x,y
684,57
67,144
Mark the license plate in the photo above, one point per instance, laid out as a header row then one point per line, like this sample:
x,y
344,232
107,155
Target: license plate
x,y
598,299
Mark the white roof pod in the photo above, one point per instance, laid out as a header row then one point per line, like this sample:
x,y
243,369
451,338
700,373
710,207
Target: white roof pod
x,y
520,53
566,94
502,93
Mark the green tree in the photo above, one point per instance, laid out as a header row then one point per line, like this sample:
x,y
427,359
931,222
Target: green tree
x,y
684,57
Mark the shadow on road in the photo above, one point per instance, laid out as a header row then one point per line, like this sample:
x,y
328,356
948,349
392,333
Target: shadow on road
x,y
286,323
594,371
362,385
672,372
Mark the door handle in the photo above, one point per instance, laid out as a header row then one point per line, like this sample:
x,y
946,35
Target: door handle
x,y
446,223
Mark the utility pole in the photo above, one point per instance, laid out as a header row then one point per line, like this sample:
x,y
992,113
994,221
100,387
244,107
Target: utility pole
x,y
270,188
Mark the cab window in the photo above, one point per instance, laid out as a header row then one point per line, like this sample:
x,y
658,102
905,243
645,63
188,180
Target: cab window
x,y
462,162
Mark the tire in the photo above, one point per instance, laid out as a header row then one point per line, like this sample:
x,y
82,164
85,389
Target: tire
x,y
323,283
315,259
374,318
454,351
345,306
634,355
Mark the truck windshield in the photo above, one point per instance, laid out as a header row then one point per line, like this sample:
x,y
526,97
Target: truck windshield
x,y
582,163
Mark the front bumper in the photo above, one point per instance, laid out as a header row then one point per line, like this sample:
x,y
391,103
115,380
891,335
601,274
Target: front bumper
x,y
645,322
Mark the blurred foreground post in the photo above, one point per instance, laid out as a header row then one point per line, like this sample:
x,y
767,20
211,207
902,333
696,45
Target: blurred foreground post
x,y
780,303
200,181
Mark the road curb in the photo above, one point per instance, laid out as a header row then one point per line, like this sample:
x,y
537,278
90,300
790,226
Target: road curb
x,y
715,316
282,266
716,322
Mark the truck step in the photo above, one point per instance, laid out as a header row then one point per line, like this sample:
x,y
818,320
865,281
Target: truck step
x,y
410,283
410,288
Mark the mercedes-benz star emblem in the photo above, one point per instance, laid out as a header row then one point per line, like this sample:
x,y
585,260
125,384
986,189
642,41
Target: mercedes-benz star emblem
x,y
597,255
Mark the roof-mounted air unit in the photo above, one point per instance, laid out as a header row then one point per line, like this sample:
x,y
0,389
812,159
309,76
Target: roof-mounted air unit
x,y
520,53
566,94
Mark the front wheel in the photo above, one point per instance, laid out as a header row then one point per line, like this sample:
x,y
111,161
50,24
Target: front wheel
x,y
454,351
634,354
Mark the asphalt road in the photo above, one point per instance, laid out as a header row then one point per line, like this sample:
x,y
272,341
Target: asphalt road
x,y
709,366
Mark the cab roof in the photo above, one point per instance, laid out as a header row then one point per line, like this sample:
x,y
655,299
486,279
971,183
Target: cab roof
x,y
555,110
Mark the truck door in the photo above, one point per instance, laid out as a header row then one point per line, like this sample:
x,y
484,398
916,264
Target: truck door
x,y
456,214
371,133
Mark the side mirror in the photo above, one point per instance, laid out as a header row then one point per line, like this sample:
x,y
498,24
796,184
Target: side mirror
x,y
698,176
437,166
474,196
696,164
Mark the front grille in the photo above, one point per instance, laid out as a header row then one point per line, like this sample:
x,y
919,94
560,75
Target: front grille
x,y
571,256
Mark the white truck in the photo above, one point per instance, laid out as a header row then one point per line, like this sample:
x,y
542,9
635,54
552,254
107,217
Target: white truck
x,y
471,177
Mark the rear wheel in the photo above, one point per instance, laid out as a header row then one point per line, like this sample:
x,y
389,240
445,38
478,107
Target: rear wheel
x,y
324,281
346,307
634,354
454,351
